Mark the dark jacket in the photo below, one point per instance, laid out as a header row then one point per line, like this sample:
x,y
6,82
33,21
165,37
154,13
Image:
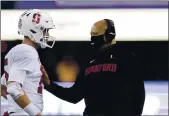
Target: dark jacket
x,y
110,84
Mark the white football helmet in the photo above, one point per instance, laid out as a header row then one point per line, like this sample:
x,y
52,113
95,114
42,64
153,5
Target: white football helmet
x,y
35,24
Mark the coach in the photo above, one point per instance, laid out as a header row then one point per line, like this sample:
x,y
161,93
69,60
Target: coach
x,y
110,84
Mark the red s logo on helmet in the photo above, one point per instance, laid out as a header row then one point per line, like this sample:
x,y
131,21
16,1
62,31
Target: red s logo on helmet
x,y
36,18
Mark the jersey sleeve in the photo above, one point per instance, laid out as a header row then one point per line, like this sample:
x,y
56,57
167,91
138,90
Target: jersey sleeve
x,y
3,80
21,65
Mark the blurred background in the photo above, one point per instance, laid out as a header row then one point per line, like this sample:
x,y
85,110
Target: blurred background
x,y
140,25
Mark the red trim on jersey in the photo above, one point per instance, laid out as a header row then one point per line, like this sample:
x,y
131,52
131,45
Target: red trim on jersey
x,y
6,76
6,62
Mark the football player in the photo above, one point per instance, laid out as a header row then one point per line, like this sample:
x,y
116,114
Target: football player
x,y
22,81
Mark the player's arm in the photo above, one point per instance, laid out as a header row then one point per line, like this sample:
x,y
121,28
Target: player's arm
x,y
17,75
18,94
72,94
3,86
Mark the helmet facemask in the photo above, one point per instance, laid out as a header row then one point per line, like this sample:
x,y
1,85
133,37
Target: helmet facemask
x,y
46,38
42,38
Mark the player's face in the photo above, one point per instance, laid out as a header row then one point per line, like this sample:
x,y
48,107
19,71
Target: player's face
x,y
46,33
45,36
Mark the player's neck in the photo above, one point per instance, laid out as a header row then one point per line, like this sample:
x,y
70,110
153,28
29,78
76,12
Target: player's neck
x,y
28,42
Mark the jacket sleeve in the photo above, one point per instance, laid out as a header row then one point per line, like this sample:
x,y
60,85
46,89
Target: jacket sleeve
x,y
138,84
72,94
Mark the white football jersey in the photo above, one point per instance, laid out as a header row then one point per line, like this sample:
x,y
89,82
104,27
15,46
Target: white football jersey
x,y
24,58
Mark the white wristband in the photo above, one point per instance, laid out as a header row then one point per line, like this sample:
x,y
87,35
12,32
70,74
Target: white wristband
x,y
32,109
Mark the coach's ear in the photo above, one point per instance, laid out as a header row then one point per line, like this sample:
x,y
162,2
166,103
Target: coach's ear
x,y
45,76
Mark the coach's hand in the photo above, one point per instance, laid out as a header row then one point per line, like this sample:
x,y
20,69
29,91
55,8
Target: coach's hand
x,y
45,76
